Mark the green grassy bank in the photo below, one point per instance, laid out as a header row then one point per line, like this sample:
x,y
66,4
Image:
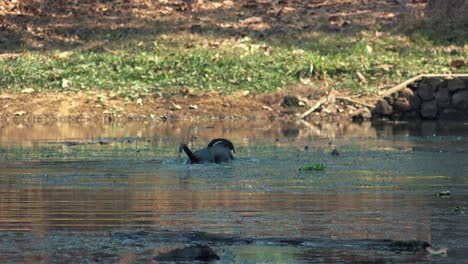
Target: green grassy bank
x,y
165,63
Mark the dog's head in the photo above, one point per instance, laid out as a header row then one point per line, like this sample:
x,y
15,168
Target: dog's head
x,y
222,142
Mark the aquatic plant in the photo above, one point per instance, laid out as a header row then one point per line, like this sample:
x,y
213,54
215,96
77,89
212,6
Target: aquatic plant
x,y
315,167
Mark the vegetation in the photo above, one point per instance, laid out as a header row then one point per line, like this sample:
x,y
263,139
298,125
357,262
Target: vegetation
x,y
315,167
355,59
162,65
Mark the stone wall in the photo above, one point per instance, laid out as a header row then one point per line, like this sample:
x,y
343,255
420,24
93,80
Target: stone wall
x,y
428,99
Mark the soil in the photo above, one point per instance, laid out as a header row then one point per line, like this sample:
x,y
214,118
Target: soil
x,y
101,106
53,24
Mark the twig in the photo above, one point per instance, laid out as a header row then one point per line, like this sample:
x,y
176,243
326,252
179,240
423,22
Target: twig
x,y
314,107
305,100
109,50
342,98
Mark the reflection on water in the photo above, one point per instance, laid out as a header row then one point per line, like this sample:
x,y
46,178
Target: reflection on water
x,y
65,189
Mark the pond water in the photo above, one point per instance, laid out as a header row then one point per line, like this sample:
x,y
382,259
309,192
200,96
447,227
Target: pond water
x,y
84,193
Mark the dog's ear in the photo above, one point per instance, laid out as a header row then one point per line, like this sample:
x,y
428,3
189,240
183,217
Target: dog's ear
x,y
223,142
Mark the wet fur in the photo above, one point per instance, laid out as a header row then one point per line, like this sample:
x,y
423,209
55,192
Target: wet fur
x,y
219,150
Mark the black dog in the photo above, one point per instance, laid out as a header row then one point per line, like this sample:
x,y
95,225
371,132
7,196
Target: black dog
x,y
219,150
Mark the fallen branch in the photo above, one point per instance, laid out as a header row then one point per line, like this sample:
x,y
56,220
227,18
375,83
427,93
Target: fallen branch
x,y
314,107
417,78
347,99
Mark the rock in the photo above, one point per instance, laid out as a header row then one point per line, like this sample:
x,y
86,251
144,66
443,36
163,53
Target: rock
x,y
413,115
425,91
452,114
443,98
460,100
191,253
415,102
414,86
406,93
361,115
443,193
436,83
402,105
290,101
389,99
410,245
382,107
429,109
456,84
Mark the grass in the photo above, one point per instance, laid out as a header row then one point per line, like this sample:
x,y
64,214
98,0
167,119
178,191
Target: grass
x,y
139,67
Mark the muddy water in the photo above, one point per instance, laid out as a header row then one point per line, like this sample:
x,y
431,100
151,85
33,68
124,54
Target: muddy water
x,y
69,192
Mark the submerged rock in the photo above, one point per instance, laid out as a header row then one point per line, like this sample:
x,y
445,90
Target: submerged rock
x,y
191,253
443,193
409,245
453,115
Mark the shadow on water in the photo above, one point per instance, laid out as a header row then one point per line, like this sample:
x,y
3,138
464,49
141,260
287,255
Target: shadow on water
x,y
67,191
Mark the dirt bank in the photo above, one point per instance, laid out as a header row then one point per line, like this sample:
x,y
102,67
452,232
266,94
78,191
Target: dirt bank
x,y
99,106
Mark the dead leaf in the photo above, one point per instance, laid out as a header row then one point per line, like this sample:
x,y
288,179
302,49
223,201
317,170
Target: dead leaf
x,y
228,4
28,90
109,50
457,63
66,83
64,55
175,106
252,20
298,51
361,77
241,93
267,108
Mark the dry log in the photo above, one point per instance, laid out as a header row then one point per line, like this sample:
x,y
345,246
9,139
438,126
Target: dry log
x,y
419,77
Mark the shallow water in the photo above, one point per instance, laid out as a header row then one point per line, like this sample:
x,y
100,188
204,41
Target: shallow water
x,y
67,190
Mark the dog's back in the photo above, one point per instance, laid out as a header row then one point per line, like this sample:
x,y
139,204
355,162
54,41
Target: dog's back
x,y
218,151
